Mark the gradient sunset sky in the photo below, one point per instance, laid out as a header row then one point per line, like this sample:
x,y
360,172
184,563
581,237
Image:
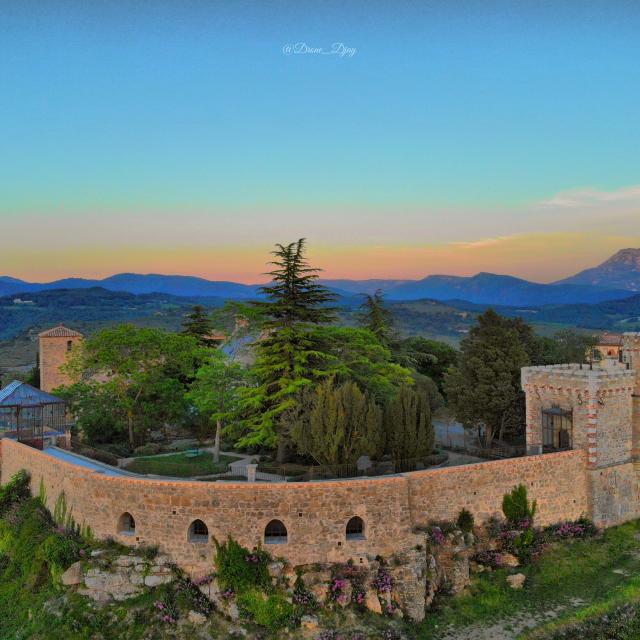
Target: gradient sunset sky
x,y
189,137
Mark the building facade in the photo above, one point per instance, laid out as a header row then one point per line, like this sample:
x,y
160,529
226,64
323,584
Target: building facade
x,y
54,348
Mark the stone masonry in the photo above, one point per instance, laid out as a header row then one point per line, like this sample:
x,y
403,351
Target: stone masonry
x,y
54,347
602,400
595,477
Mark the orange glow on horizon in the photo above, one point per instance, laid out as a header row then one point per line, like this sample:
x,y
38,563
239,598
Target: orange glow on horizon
x,y
538,257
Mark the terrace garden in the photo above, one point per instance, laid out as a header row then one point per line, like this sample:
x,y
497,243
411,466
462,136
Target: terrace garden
x,y
185,464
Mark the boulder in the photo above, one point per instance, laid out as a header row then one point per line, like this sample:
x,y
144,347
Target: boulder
x,y
73,575
509,560
196,618
153,580
516,581
232,610
319,592
372,602
162,560
316,577
309,623
275,569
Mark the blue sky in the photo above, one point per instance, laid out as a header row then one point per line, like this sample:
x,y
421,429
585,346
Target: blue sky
x,y
163,127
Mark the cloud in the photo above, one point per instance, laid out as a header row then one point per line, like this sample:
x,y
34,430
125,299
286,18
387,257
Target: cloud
x,y
589,197
481,243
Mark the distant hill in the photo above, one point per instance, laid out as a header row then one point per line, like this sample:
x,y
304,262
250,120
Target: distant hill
x,y
609,315
489,288
363,286
615,279
186,286
621,271
87,309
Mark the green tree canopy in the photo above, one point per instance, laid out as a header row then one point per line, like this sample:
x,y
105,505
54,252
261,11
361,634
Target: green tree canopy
x,y
215,392
357,354
483,389
146,371
430,358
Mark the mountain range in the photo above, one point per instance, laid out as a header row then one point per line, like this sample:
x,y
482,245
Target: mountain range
x,y
621,271
616,278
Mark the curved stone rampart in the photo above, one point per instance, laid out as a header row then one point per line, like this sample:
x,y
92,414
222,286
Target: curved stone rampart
x,y
315,513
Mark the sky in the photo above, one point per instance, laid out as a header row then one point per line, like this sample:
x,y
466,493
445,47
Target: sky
x,y
400,138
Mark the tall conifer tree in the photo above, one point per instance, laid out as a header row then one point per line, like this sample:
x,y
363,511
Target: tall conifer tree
x,y
376,317
198,325
287,355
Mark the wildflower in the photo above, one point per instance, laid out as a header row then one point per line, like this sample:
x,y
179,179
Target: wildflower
x,y
437,537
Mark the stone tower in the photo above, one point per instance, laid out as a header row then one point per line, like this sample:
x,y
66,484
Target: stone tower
x,y
54,348
595,409
630,356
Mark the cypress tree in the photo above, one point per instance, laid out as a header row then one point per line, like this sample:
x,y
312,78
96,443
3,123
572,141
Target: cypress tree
x,y
337,424
408,424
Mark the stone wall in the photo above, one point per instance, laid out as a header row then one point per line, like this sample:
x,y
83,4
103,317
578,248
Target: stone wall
x,y
557,481
315,513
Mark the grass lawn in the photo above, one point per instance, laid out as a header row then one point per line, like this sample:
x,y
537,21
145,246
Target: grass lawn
x,y
572,581
179,465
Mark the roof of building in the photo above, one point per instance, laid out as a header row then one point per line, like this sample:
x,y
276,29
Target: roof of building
x,y
614,339
21,394
60,332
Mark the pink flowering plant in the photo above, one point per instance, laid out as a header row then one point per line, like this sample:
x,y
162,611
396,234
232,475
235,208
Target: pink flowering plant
x,y
581,528
436,535
382,581
187,594
489,558
302,597
337,589
167,610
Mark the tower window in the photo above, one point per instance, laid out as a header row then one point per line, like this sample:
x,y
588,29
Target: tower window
x,y
557,427
69,345
126,524
275,533
355,529
198,532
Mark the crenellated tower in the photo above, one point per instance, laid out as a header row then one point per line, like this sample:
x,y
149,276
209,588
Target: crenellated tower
x,y
594,408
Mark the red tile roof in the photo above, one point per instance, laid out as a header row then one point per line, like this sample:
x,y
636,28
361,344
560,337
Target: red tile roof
x,y
613,339
60,332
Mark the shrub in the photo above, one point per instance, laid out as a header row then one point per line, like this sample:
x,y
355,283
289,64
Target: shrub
x,y
489,558
517,509
239,569
274,612
188,596
580,528
60,551
15,491
302,596
149,449
465,521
